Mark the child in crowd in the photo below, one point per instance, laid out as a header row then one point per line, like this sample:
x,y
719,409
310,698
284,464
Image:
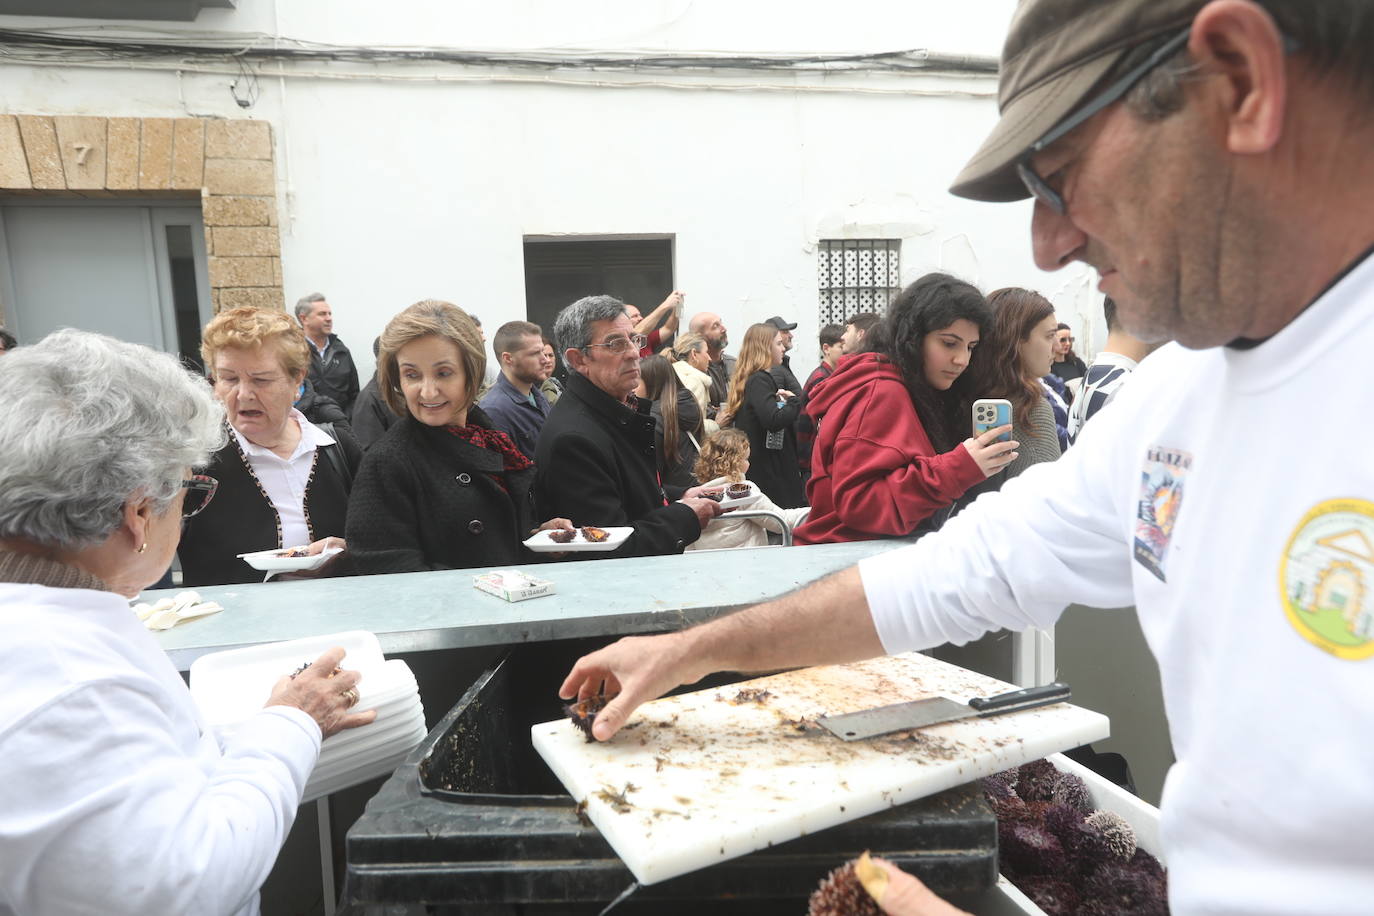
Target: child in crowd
x,y
724,460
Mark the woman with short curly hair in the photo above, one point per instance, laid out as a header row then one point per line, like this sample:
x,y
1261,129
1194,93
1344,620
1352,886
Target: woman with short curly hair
x,y
284,480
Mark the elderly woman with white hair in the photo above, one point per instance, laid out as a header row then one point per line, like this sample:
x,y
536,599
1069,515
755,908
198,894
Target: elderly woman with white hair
x,y
114,795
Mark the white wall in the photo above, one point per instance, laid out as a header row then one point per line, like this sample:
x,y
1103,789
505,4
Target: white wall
x,y
400,182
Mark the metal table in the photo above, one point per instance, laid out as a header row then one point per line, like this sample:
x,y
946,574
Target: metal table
x,y
420,612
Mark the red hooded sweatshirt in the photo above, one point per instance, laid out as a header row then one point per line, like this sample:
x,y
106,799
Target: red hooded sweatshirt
x,y
874,472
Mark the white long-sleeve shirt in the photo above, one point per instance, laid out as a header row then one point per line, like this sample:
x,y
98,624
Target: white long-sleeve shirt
x,y
1229,495
114,798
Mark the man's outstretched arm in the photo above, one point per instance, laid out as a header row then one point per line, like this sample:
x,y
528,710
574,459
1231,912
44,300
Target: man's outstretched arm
x,y
824,623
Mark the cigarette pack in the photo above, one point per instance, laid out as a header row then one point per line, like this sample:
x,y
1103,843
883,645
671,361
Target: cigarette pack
x,y
512,585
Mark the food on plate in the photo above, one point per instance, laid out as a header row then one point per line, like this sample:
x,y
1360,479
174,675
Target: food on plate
x,y
716,495
294,552
738,490
595,535
562,535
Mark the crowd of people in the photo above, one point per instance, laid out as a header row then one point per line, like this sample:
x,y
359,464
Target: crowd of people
x,y
458,450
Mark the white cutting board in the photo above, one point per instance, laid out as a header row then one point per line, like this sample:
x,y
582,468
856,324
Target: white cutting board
x,y
699,778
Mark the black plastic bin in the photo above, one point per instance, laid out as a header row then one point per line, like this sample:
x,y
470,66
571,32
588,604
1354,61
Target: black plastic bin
x,y
474,822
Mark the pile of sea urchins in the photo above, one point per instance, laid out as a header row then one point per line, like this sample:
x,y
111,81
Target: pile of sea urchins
x,y
1068,858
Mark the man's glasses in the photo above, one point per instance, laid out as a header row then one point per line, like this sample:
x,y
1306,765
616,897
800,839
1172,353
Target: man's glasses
x,y
199,491
1036,185
621,344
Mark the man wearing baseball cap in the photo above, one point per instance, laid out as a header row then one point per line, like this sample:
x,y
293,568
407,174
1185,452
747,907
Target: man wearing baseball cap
x,y
1211,160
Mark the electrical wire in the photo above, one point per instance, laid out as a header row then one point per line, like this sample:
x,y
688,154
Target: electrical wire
x,y
20,44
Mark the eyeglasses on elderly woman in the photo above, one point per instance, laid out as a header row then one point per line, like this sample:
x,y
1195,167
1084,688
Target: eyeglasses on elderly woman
x,y
199,491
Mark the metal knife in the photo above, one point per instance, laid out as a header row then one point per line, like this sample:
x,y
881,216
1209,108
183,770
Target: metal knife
x,y
866,723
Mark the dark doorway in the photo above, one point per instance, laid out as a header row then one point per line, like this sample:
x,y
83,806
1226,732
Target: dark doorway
x,y
559,272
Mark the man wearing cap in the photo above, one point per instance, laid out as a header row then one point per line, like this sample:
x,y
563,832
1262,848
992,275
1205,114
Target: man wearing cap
x,y
1210,159
784,374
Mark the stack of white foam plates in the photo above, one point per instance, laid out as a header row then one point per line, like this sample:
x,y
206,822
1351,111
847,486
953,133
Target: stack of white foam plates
x,y
230,687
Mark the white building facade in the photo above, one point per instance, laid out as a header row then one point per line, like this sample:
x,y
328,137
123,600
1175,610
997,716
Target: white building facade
x,y
726,148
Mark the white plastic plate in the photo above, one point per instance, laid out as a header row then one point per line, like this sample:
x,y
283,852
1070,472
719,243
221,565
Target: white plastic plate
x,y
541,542
740,502
273,561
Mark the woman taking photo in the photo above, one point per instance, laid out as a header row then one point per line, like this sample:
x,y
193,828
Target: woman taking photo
x,y
283,481
443,489
890,453
114,797
767,413
677,421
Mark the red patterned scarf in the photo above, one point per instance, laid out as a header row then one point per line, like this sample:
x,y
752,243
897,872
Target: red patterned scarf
x,y
494,440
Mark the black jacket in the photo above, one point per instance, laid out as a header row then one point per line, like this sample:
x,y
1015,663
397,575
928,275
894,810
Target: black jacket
x,y
776,471
241,520
320,409
336,376
595,465
371,418
676,472
425,499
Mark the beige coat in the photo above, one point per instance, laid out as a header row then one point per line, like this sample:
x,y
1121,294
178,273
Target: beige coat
x,y
724,531
699,384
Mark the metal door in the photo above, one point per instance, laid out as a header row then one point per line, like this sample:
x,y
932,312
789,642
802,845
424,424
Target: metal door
x,y
135,271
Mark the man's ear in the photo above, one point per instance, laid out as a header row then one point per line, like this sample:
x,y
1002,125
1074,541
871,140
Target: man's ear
x,y
575,358
1238,42
506,359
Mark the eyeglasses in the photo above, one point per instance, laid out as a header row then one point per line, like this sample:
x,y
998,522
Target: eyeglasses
x,y
199,491
1036,185
621,344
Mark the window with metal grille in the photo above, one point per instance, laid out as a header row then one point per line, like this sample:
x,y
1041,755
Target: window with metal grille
x,y
857,275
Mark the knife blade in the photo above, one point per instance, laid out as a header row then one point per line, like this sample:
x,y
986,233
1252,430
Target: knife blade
x,y
882,720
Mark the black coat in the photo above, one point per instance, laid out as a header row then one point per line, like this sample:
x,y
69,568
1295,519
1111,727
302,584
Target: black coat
x,y
425,499
318,408
241,520
776,471
371,418
335,376
595,465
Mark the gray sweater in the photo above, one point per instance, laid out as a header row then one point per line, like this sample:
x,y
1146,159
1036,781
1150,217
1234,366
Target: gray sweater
x,y
1042,446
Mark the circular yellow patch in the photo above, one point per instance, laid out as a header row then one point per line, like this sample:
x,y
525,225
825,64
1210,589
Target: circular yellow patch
x,y
1326,577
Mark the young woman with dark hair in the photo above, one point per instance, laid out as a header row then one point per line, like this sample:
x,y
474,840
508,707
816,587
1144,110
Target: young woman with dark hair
x,y
890,454
1020,347
766,412
677,421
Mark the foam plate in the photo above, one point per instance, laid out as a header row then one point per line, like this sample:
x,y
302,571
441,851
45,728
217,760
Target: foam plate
x,y
273,561
542,543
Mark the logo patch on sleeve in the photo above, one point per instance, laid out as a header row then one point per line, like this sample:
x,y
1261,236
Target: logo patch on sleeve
x,y
1161,496
1326,577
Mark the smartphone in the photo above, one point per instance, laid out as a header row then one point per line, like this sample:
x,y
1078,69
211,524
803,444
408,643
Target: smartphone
x,y
990,413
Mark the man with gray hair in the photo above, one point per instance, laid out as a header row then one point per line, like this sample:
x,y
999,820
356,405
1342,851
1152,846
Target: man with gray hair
x,y
595,457
332,371
1210,160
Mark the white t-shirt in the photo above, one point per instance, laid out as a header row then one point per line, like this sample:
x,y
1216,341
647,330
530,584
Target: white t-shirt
x,y
1101,382
114,797
1229,495
285,479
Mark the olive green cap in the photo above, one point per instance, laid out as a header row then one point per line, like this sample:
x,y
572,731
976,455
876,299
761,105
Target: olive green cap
x,y
1056,52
